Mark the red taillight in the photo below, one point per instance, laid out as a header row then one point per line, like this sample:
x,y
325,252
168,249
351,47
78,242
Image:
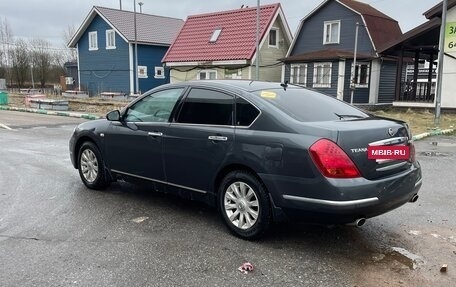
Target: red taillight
x,y
332,161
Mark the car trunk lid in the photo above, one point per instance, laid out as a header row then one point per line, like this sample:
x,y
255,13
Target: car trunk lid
x,y
355,136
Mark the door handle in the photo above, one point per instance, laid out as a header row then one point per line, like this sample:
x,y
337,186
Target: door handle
x,y
218,138
155,134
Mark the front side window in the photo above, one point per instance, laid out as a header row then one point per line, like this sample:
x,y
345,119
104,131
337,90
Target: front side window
x,y
110,39
273,35
207,107
156,107
298,74
331,32
93,41
322,75
207,75
361,77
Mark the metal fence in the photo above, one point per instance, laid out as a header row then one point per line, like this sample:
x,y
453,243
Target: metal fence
x,y
422,92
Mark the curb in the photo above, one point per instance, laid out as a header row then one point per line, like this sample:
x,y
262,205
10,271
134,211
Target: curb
x,y
52,113
436,132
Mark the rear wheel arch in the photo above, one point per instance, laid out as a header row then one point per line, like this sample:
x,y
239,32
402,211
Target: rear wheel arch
x,y
233,167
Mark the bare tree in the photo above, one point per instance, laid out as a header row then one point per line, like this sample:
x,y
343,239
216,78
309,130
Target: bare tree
x,y
20,62
70,53
6,38
41,58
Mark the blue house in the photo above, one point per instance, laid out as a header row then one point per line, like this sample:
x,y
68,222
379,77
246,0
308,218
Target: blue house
x,y
106,43
322,53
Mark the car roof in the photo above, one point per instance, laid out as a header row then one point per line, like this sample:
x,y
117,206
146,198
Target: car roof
x,y
245,85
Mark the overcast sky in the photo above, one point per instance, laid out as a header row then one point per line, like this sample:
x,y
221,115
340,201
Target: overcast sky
x,y
47,19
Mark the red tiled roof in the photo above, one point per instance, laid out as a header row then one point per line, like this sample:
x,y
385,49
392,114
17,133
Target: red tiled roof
x,y
382,28
236,40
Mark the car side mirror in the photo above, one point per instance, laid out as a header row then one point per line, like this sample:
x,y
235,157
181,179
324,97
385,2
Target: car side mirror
x,y
113,116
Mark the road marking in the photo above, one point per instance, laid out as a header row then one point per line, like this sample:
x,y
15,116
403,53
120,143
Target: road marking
x,y
140,219
5,127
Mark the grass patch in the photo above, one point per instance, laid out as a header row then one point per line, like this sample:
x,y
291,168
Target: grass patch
x,y
420,121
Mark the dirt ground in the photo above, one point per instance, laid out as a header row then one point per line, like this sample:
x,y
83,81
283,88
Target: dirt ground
x,y
94,106
419,120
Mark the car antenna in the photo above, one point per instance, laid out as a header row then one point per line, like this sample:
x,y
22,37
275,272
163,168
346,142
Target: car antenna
x,y
284,85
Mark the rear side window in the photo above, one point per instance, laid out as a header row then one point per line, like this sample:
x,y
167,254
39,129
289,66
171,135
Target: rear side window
x,y
310,106
207,107
246,113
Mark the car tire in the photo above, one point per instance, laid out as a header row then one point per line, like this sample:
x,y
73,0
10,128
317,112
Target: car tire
x,y
91,167
244,204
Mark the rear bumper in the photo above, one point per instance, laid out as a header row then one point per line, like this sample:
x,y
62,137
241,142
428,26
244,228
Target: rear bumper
x,y
341,200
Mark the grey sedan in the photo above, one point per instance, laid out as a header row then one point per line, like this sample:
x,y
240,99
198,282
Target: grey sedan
x,y
260,152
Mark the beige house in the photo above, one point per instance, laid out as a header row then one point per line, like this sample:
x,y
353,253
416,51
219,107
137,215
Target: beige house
x,y
222,45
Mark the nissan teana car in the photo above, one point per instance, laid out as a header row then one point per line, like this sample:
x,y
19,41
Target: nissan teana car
x,y
260,152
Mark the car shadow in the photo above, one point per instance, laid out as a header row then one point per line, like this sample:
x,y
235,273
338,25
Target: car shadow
x,y
345,240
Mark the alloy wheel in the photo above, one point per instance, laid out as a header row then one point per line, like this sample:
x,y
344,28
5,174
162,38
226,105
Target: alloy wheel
x,y
241,205
89,165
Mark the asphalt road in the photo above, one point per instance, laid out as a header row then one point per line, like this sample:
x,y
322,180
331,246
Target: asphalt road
x,y
56,232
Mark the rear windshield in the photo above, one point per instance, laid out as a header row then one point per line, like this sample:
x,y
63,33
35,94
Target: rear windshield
x,y
310,106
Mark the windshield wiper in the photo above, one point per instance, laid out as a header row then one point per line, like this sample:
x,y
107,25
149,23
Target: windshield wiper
x,y
349,116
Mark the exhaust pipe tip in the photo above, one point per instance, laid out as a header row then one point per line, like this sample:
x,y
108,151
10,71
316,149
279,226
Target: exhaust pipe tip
x,y
360,222
414,198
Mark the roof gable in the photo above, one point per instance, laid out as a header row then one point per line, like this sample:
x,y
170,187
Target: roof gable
x,y
364,9
151,29
380,27
236,41
436,11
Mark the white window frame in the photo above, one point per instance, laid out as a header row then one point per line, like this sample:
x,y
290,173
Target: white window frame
x,y
215,35
110,34
358,78
142,72
198,77
276,45
299,72
320,84
159,72
327,28
93,41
